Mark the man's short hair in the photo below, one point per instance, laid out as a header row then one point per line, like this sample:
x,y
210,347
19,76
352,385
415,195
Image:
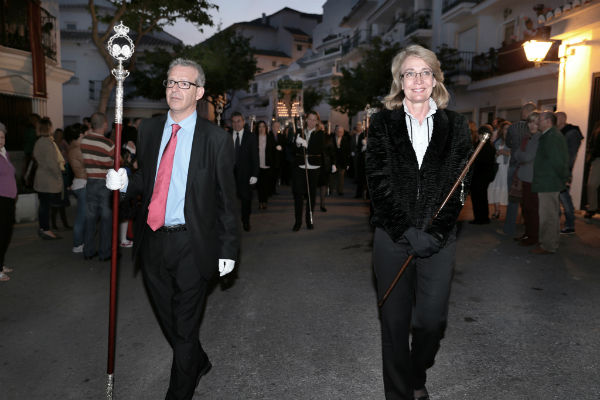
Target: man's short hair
x,y
549,115
184,62
98,119
237,114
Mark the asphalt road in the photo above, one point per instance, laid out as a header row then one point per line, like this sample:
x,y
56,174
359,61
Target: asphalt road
x,y
301,321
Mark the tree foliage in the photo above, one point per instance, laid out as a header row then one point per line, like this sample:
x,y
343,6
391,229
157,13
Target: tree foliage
x,y
226,59
368,82
142,17
312,97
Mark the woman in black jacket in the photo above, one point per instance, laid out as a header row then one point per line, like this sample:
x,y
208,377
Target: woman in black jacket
x,y
266,159
416,152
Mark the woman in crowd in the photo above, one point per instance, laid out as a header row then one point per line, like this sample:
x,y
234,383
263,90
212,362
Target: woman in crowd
x,y
415,154
73,135
327,167
483,173
8,195
525,157
59,207
497,190
266,157
593,158
48,182
342,159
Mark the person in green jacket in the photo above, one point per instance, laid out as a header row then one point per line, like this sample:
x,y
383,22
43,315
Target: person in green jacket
x,y
550,176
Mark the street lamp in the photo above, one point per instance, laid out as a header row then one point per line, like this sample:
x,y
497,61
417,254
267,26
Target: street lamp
x,y
536,50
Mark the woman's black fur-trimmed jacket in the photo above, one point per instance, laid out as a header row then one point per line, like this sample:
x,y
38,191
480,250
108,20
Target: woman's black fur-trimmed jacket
x,y
405,196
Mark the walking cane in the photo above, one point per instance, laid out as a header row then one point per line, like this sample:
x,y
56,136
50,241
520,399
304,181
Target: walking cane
x,y
119,52
458,182
310,214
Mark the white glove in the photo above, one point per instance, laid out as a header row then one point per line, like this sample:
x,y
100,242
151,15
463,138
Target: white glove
x,y
253,180
333,169
301,142
225,266
364,142
278,147
116,180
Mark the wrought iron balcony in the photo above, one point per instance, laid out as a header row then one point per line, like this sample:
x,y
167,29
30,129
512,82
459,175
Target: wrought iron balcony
x,y
447,5
14,29
418,20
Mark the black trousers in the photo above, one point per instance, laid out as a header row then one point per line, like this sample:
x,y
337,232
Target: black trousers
x,y
479,200
300,192
178,292
418,305
7,221
264,184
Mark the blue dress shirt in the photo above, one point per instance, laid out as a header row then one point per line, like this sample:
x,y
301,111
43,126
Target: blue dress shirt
x,y
176,197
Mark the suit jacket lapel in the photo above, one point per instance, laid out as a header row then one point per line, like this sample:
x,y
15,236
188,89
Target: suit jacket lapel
x,y
195,156
155,146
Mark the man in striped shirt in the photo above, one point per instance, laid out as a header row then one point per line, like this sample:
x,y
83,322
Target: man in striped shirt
x,y
98,157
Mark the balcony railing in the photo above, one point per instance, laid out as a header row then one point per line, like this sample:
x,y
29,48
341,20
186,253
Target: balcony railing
x,y
359,38
506,59
418,20
14,29
447,5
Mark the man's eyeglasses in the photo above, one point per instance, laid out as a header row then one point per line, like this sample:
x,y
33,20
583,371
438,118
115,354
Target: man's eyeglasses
x,y
412,75
169,83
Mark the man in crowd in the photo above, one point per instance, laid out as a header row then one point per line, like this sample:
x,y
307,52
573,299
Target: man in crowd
x,y
188,228
550,175
245,145
98,157
573,137
514,137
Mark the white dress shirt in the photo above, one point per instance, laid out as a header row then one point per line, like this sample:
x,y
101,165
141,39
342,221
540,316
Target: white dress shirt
x,y
420,133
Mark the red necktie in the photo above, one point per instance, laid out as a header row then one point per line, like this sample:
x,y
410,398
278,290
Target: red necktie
x,y
158,204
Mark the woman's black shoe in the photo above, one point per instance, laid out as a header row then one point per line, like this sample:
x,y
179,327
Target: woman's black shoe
x,y
323,209
296,227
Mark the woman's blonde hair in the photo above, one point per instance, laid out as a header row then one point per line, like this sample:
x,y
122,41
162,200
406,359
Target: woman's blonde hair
x,y
440,95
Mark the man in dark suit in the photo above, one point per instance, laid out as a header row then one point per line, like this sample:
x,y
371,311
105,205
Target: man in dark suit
x,y
309,143
188,228
342,158
280,141
246,166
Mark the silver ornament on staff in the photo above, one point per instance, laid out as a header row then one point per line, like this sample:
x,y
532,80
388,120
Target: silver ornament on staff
x,y
121,48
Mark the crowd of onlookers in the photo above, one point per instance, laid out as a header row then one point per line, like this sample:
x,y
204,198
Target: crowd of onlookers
x,y
63,165
528,164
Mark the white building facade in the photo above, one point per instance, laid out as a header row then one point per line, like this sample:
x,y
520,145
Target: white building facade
x,y
81,93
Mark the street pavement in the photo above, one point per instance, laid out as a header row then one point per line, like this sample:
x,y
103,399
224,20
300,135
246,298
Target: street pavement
x,y
301,320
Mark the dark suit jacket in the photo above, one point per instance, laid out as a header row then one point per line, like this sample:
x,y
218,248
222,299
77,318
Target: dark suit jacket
x,y
210,205
404,195
314,151
270,151
342,153
247,165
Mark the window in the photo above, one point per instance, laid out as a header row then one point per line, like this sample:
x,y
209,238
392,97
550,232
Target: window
x,y
71,65
274,63
71,26
299,47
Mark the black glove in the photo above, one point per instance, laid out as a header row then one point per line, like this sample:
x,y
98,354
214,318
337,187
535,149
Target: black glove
x,y
422,243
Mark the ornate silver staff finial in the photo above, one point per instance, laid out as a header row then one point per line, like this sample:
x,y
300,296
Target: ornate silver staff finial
x,y
121,48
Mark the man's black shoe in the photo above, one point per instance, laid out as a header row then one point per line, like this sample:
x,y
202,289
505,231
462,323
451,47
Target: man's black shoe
x,y
90,257
203,371
246,226
323,209
296,227
309,226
